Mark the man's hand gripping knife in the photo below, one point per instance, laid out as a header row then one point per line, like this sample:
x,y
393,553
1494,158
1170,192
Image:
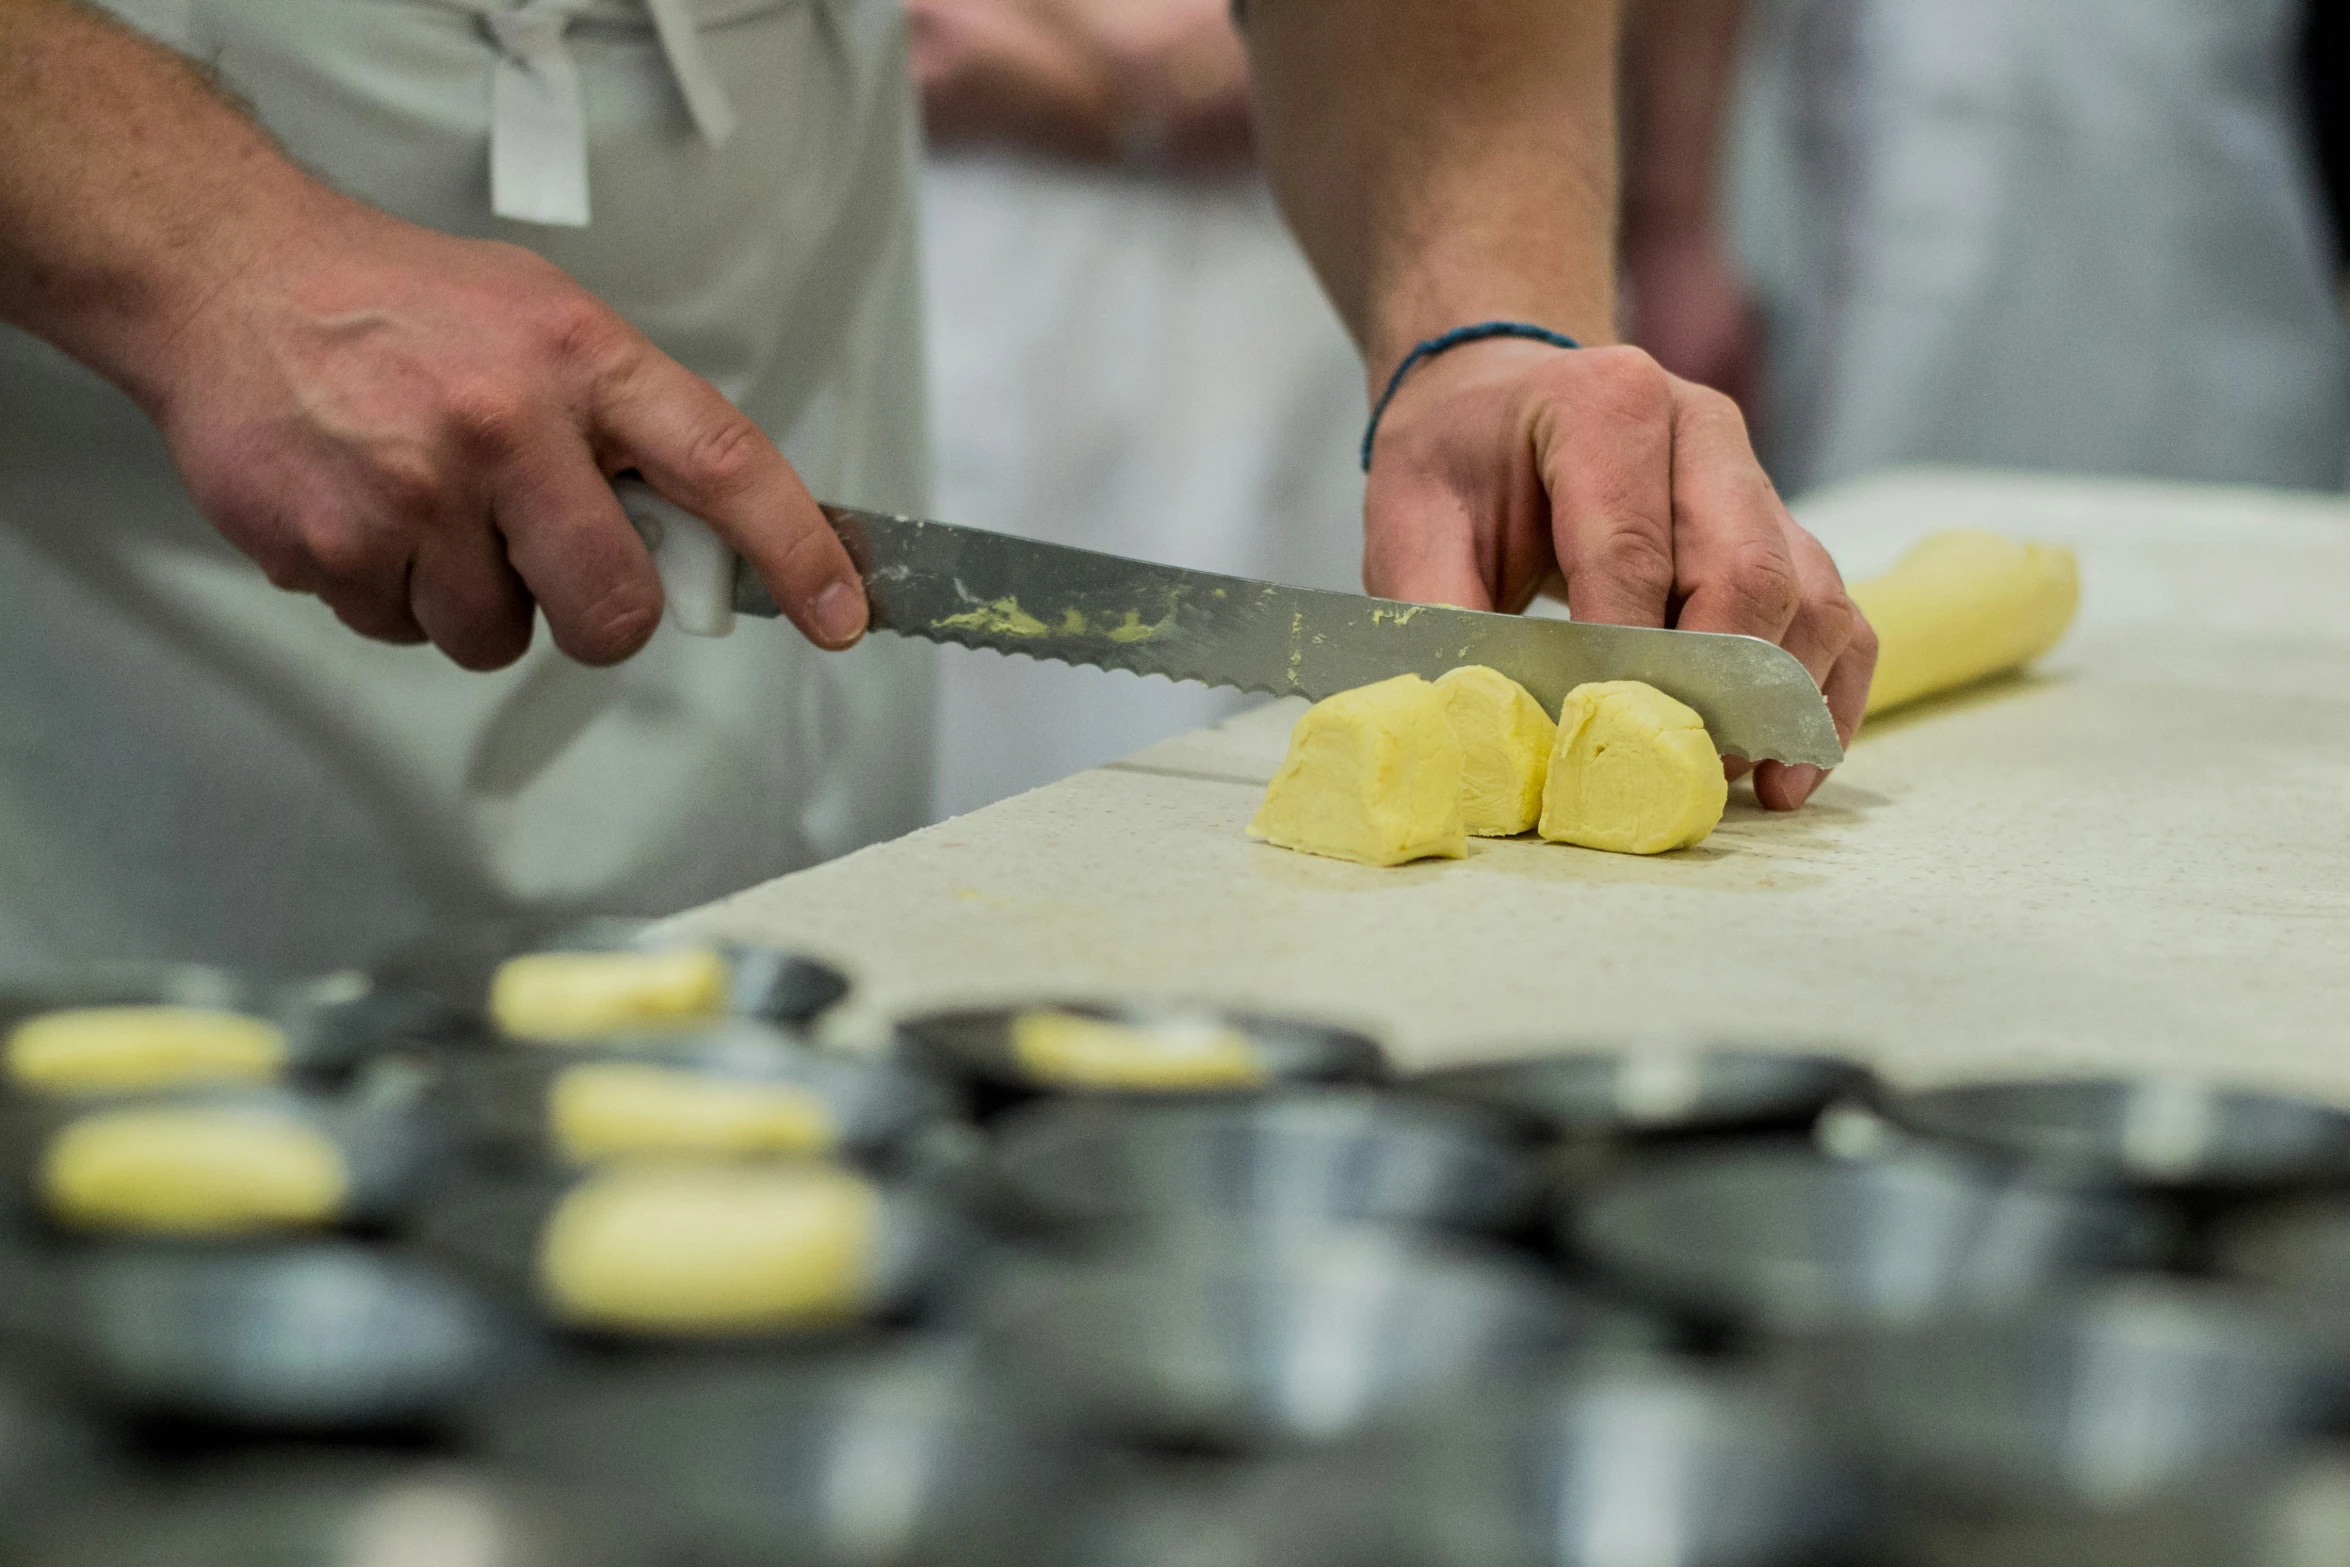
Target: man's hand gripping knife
x,y
1452,162
420,430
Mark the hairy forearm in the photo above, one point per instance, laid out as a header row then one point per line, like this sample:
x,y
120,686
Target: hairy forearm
x,y
1680,57
130,190
1445,161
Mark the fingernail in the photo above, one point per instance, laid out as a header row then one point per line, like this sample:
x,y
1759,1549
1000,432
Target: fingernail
x,y
840,613
1802,779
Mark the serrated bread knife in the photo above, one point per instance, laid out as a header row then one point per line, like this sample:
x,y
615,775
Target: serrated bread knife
x,y
1049,601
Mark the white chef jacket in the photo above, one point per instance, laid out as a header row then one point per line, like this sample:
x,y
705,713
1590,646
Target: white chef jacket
x,y
2070,234
195,764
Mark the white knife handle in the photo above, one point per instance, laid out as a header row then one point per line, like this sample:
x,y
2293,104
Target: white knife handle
x,y
696,567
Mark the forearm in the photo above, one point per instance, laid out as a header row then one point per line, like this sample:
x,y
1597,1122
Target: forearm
x,y
1445,161
1680,57
130,190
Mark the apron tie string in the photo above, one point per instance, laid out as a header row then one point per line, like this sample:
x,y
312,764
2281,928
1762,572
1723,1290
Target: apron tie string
x,y
538,118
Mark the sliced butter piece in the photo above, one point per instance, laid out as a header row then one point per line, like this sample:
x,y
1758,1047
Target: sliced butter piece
x,y
1373,775
615,1109
557,996
1634,772
1076,1051
1964,606
712,1249
192,1170
1505,741
132,1049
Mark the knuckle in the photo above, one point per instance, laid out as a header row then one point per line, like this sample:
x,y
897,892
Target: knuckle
x,y
618,623
487,418
1633,557
727,455
1625,383
578,328
1763,583
341,552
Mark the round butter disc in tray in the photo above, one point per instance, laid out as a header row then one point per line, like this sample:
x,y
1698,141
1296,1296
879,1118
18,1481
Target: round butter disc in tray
x,y
115,1028
222,1163
707,1251
597,980
1013,1053
739,1089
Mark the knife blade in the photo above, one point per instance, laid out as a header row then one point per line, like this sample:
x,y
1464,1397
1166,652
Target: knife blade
x,y
1050,601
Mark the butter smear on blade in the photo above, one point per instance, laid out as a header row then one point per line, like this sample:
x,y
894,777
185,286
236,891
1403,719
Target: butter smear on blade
x,y
714,1249
125,1049
1505,739
1963,606
1633,772
556,996
192,1170
1373,775
1090,1052
611,1109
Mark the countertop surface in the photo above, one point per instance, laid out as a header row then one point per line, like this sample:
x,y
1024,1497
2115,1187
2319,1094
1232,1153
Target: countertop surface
x,y
2139,853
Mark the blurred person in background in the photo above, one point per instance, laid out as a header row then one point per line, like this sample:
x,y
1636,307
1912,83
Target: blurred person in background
x,y
2079,235
1127,351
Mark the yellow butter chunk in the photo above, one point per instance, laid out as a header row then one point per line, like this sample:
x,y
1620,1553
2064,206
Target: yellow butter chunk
x,y
619,1108
127,1049
712,1249
1963,606
594,995
1634,771
1091,1052
192,1170
1373,775
1505,741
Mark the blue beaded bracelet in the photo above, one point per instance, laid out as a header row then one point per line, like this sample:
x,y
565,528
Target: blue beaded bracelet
x,y
1454,339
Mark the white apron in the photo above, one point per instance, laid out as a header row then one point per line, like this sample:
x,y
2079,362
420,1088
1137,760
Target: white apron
x,y
194,764
2073,234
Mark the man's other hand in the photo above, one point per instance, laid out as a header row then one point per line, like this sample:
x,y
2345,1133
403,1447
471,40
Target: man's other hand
x,y
1503,462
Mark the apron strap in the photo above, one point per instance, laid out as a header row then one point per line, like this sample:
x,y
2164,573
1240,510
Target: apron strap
x,y
538,118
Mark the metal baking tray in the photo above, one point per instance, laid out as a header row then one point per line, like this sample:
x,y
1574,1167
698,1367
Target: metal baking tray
x,y
1781,1237
323,1336
453,967
976,1047
2168,1132
2106,1394
488,1228
391,1146
315,1511
1660,1462
332,1022
1656,1090
496,1101
1318,1153
1243,1338
870,1455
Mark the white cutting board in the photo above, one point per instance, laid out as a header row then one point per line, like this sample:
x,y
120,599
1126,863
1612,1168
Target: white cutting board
x,y
2139,854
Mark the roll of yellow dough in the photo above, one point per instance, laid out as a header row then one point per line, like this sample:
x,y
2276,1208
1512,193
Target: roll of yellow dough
x,y
192,1170
1090,1052
1634,772
1373,775
127,1049
1506,739
612,1109
712,1249
552,997
1963,606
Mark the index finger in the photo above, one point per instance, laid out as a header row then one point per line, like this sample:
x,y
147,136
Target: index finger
x,y
705,454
